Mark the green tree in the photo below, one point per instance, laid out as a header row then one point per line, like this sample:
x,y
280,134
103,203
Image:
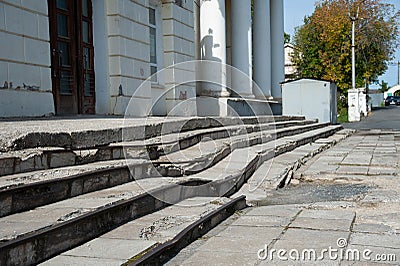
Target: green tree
x,y
384,86
287,38
324,41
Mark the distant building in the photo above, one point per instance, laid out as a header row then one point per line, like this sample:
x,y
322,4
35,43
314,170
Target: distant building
x,y
290,68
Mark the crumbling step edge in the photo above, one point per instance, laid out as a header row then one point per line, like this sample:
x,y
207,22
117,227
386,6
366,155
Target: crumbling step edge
x,y
285,177
38,246
167,250
49,157
84,139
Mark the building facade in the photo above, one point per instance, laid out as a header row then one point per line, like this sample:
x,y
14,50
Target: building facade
x,y
69,57
290,67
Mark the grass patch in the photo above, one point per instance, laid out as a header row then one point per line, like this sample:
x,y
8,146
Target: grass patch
x,y
343,116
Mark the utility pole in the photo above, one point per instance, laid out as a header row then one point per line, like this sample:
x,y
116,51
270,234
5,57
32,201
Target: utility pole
x,y
354,93
398,73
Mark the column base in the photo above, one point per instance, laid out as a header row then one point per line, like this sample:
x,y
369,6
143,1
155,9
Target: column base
x,y
244,96
215,94
233,107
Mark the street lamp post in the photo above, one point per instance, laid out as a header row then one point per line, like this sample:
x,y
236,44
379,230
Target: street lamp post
x,y
354,93
353,53
353,47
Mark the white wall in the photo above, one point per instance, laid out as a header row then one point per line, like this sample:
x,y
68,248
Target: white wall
x,y
178,46
376,99
129,55
25,55
18,103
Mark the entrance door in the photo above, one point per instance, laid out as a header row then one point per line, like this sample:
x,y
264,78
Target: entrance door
x,y
71,41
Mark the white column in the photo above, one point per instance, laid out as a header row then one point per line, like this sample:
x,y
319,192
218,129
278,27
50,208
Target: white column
x,y
262,47
213,47
196,25
242,48
278,50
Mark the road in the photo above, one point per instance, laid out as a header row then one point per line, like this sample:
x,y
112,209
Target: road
x,y
381,118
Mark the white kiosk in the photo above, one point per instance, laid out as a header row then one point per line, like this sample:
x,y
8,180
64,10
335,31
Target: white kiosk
x,y
312,98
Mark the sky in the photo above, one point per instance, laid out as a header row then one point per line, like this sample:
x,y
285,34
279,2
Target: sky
x,y
295,10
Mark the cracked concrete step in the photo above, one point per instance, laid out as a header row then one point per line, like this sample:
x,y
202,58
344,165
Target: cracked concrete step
x,y
103,217
240,160
152,233
73,134
164,191
46,231
27,160
209,152
20,224
44,235
221,170
278,173
94,248
24,191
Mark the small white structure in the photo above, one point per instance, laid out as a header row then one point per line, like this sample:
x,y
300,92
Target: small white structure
x,y
363,102
353,105
357,104
314,99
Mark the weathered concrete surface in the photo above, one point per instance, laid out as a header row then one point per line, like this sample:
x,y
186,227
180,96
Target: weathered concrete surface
x,y
241,160
236,163
103,208
92,132
324,206
26,160
130,240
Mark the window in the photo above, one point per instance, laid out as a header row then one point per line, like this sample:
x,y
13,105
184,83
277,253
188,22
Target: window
x,y
153,44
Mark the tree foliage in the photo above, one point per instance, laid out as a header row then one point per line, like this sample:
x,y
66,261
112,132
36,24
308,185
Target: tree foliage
x,y
324,41
384,86
286,38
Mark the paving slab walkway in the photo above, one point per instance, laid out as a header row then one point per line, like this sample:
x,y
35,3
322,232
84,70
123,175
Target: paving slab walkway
x,y
341,208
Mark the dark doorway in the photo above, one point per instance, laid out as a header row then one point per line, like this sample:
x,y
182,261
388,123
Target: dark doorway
x,y
72,56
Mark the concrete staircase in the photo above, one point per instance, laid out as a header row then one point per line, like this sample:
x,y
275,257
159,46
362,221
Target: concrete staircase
x,y
116,195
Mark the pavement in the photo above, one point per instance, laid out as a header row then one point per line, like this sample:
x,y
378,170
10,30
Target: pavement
x,y
341,208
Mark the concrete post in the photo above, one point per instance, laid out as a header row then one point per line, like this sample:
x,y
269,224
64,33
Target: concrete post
x,y
262,47
213,47
277,41
242,48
